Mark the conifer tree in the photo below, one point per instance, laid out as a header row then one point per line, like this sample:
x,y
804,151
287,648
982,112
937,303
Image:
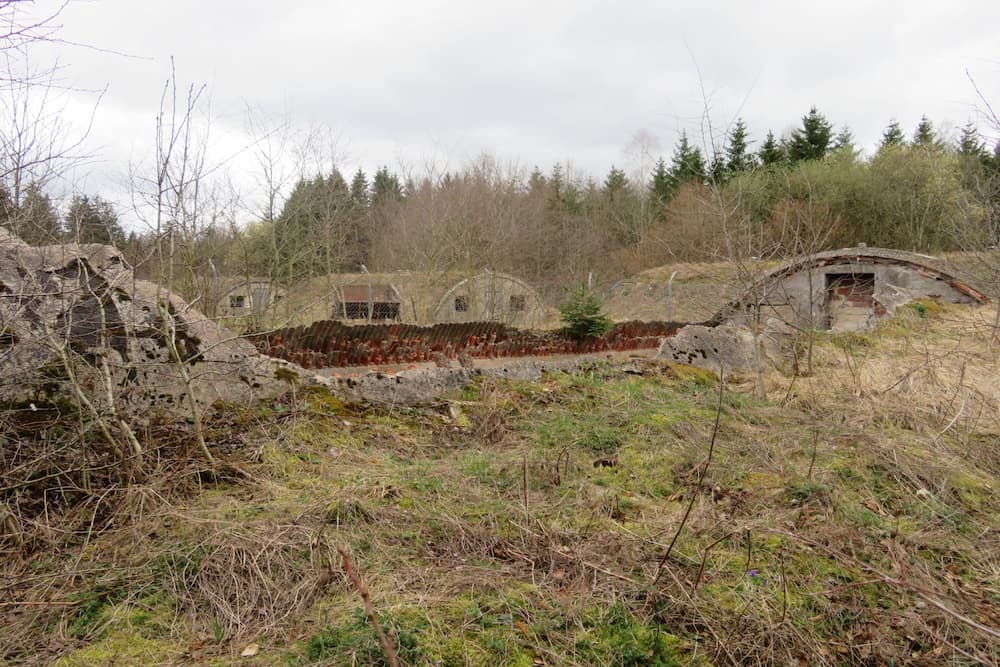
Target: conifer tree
x,y
536,180
8,209
314,233
892,136
93,220
738,155
970,145
924,134
360,194
659,186
687,163
567,195
386,187
556,179
974,160
811,141
844,141
771,152
615,183
34,219
717,172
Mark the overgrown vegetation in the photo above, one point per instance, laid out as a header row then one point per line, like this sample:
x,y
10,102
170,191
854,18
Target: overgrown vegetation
x,y
850,518
811,192
658,516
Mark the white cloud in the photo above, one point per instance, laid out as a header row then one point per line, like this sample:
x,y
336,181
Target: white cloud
x,y
531,82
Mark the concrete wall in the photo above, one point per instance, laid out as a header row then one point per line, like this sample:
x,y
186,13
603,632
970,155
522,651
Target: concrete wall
x,y
257,295
492,297
800,298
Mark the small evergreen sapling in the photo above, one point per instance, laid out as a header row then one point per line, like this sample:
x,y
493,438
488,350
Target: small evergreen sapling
x,y
582,315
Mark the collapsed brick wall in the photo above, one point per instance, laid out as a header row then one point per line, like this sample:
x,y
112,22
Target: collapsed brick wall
x,y
330,344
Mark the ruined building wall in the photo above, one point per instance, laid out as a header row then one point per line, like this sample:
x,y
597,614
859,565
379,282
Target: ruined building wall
x,y
845,293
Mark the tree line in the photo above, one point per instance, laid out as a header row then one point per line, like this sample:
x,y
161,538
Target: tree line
x,y
709,200
31,214
811,189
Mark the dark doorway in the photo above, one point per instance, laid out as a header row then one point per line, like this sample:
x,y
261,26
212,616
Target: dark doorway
x,y
850,301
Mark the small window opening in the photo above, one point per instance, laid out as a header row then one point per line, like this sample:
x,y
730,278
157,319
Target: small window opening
x,y
385,310
461,304
238,301
518,303
356,310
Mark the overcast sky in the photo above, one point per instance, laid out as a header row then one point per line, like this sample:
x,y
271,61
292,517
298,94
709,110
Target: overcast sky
x,y
412,83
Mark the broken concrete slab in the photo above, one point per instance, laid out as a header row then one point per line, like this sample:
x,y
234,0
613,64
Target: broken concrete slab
x,y
729,348
75,315
424,386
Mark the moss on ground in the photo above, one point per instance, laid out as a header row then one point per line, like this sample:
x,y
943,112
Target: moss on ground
x,y
527,524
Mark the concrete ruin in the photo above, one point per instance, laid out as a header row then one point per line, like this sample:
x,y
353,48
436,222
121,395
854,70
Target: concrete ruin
x,y
368,302
851,289
490,296
727,347
249,297
413,297
847,290
425,386
74,316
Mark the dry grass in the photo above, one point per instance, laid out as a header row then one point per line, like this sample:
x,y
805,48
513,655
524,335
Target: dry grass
x,y
849,517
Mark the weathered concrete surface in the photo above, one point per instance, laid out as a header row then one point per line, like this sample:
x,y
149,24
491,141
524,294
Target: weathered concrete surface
x,y
729,348
423,386
77,311
802,291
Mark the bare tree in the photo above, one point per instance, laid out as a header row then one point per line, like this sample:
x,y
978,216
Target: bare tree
x,y
38,144
171,201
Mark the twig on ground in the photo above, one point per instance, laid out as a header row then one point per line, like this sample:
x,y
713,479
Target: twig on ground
x,y
524,481
697,488
704,559
387,646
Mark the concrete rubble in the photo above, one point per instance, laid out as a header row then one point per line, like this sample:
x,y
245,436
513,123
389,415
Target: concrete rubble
x,y
728,347
76,312
423,386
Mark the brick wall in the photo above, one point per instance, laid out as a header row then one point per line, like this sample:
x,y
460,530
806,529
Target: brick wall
x,y
330,344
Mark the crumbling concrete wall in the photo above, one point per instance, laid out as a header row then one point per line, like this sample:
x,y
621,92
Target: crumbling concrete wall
x,y
798,292
425,386
728,348
75,315
805,293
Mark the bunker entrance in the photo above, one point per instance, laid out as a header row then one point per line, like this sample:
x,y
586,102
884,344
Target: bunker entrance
x,y
850,301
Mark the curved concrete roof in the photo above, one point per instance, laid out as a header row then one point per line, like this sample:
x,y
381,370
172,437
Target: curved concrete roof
x,y
497,275
954,276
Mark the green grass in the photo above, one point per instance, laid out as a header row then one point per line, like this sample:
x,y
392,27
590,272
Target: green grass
x,y
529,531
